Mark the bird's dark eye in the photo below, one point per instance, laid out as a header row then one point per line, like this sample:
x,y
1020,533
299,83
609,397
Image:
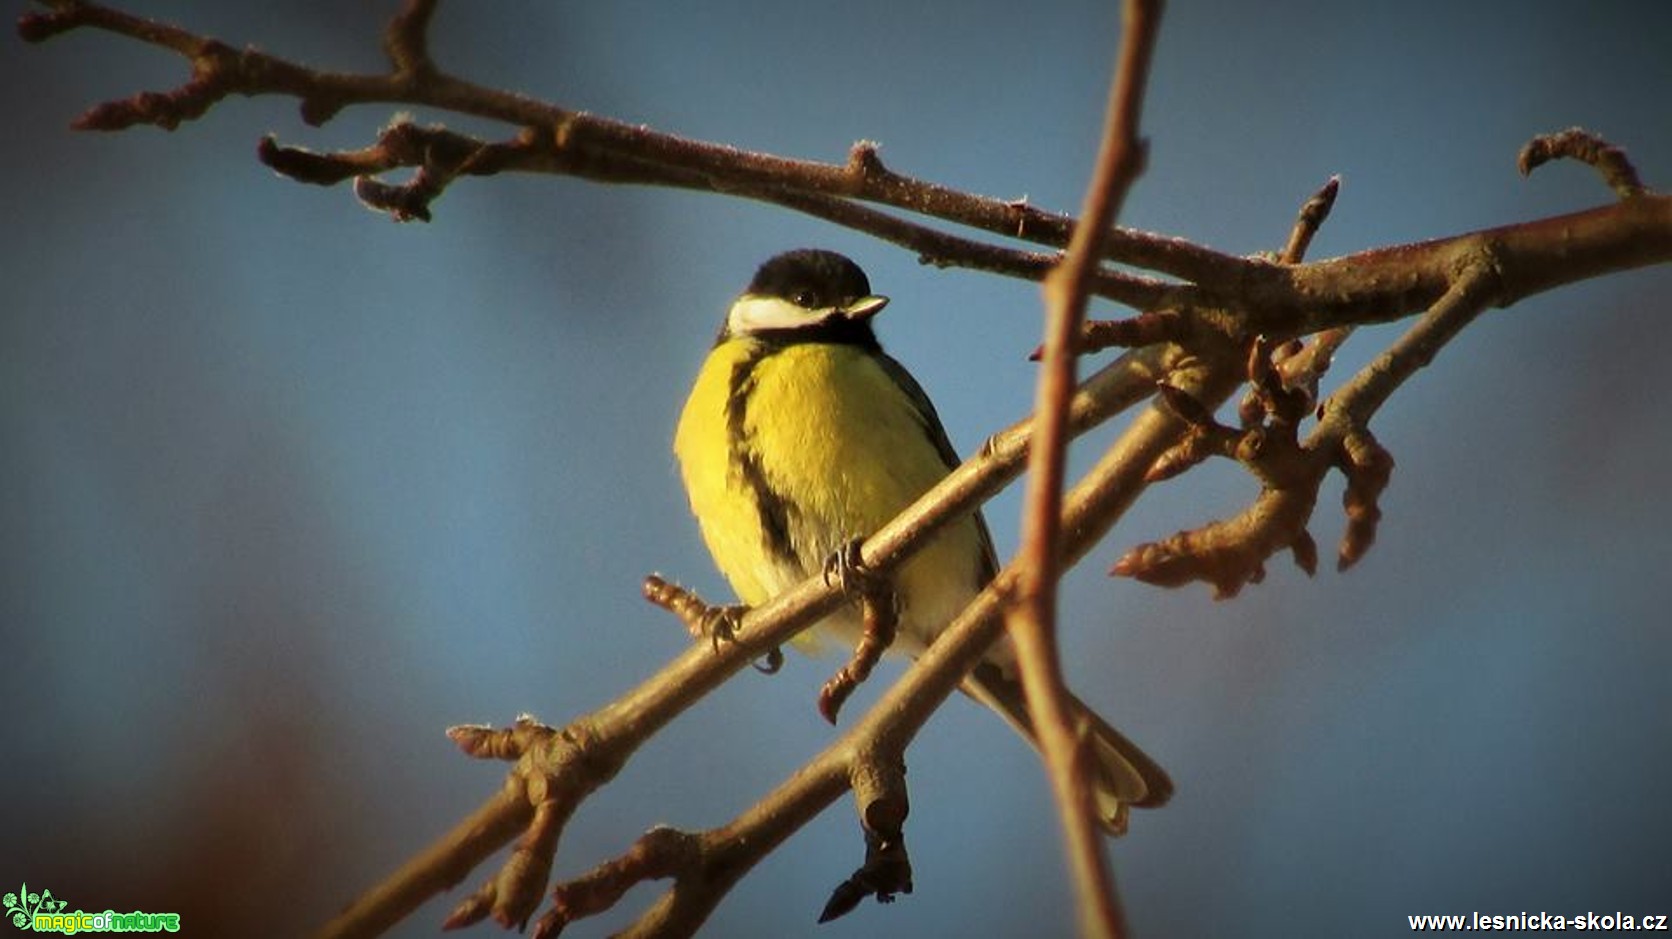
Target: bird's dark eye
x,y
803,298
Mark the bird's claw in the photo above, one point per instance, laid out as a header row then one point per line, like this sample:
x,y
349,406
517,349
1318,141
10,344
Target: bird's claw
x,y
720,624
846,567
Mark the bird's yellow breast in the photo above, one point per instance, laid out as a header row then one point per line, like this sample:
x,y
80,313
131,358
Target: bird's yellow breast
x,y
821,435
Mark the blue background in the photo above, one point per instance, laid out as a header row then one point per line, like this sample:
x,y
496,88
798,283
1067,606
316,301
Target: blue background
x,y
286,489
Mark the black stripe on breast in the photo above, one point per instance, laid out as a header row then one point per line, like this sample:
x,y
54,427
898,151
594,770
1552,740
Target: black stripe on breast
x,y
774,511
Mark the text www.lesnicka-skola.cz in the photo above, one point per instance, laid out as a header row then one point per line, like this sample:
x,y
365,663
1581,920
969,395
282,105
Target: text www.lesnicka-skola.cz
x,y
1539,922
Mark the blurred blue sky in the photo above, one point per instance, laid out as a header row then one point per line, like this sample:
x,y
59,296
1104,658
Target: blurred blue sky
x,y
289,488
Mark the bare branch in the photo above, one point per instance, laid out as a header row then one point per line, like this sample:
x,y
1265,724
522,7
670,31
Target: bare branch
x,y
1576,143
1262,297
1386,284
1232,552
439,867
1031,616
407,41
879,790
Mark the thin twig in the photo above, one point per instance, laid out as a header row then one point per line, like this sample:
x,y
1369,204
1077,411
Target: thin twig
x,y
1310,218
1031,617
587,144
439,867
1577,143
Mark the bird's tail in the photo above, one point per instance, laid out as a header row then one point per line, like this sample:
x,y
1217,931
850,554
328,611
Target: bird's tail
x,y
1124,775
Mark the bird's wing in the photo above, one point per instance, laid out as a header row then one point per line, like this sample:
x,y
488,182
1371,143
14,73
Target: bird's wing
x,y
937,432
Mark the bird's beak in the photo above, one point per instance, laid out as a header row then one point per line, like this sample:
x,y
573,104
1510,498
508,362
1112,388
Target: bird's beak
x,y
863,309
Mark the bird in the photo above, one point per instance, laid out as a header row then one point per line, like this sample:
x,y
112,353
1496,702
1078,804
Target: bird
x,y
801,435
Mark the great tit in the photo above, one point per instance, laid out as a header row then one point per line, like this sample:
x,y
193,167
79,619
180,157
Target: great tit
x,y
801,435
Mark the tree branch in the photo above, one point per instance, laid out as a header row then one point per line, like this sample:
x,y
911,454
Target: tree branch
x,y
1368,287
1030,617
1233,552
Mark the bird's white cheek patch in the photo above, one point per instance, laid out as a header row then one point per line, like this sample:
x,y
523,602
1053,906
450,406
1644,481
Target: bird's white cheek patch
x,y
753,313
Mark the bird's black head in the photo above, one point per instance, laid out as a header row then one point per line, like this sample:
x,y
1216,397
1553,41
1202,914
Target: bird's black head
x,y
807,295
810,278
